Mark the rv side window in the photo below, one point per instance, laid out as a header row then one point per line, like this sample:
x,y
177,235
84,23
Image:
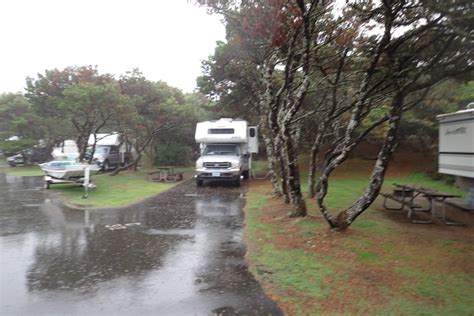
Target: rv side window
x,y
252,132
220,131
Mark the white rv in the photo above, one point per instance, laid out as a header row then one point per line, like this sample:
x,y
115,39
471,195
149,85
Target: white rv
x,y
66,151
226,147
110,150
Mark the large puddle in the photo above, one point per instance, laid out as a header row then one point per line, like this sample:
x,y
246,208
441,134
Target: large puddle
x,y
180,253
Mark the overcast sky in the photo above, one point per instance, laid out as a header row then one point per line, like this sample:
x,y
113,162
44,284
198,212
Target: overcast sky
x,y
166,39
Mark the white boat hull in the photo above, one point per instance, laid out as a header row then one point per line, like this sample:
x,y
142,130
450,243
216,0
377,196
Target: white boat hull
x,y
69,172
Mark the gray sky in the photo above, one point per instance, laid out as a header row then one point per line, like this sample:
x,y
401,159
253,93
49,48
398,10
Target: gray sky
x,y
166,39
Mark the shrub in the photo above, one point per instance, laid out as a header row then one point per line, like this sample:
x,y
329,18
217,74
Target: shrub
x,y
173,154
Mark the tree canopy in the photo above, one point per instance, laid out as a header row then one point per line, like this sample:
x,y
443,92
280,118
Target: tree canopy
x,y
347,72
76,102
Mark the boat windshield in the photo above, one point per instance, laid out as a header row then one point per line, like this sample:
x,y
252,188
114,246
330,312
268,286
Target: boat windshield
x,y
230,150
63,163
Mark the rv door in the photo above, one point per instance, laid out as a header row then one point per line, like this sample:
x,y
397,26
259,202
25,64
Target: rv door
x,y
253,140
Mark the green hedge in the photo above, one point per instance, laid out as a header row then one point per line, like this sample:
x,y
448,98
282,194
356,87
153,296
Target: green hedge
x,y
173,154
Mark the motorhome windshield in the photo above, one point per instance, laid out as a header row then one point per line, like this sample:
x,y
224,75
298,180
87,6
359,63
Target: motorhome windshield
x,y
231,150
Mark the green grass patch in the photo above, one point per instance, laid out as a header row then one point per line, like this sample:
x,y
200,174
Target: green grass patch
x,y
428,282
260,167
343,192
121,190
295,270
446,294
371,226
308,227
368,256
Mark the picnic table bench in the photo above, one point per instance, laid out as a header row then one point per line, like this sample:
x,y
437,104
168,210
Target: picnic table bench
x,y
165,174
405,195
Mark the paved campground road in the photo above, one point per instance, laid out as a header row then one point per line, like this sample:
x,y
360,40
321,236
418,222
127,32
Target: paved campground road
x,y
179,253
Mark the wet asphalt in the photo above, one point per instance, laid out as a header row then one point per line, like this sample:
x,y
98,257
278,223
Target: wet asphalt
x,y
178,253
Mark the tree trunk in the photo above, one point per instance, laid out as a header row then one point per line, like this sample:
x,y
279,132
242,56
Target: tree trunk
x,y
82,146
345,218
272,165
313,161
283,165
271,158
293,175
266,104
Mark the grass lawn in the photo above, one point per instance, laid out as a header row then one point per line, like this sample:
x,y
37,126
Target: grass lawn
x,y
121,190
382,265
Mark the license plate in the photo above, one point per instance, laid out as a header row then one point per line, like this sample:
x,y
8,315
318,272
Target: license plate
x,y
216,174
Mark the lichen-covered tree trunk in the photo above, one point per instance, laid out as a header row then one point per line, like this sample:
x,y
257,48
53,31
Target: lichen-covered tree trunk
x,y
283,166
313,161
293,175
81,142
345,218
266,105
271,158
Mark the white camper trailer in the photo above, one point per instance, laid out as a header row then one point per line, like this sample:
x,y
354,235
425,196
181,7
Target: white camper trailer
x,y
456,149
66,151
456,143
226,147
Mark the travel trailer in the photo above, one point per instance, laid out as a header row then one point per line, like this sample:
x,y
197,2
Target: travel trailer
x,y
67,150
226,148
456,149
456,143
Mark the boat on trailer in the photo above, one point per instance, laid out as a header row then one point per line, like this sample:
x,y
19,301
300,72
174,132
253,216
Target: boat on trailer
x,y
67,170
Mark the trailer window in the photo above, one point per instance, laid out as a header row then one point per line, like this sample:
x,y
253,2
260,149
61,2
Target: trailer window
x,y
220,131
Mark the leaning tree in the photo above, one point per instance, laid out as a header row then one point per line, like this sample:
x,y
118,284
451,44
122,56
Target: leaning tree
x,y
366,57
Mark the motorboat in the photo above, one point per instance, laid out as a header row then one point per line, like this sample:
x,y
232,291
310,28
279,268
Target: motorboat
x,y
64,169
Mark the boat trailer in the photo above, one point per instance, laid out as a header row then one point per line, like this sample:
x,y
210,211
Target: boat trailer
x,y
81,181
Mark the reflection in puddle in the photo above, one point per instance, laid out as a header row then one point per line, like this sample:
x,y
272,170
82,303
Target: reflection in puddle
x,y
155,258
180,232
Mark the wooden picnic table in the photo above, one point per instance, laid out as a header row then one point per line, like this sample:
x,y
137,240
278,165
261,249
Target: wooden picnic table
x,y
166,174
405,194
